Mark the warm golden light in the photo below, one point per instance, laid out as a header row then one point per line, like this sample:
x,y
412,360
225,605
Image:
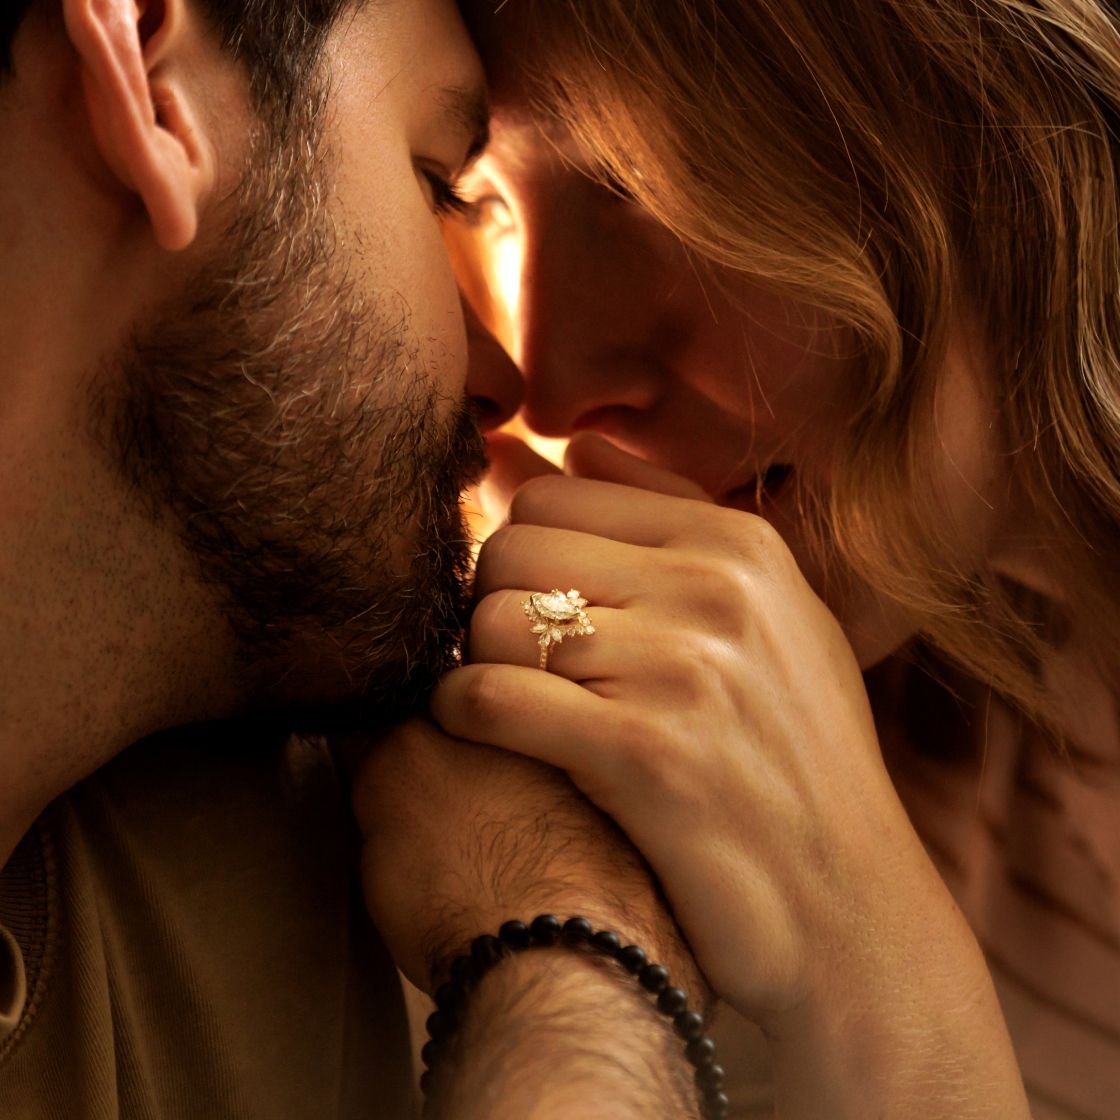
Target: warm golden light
x,y
503,269
500,260
489,271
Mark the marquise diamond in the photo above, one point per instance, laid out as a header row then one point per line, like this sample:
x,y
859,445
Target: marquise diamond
x,y
556,616
553,605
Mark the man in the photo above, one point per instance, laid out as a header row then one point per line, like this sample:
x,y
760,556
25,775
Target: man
x,y
234,429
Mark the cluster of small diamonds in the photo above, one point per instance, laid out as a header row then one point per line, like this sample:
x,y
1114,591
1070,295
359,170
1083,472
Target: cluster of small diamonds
x,y
556,616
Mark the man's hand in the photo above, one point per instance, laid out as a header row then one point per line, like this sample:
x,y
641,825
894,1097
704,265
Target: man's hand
x,y
461,838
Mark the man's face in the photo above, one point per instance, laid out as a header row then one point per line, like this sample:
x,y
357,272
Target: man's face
x,y
300,409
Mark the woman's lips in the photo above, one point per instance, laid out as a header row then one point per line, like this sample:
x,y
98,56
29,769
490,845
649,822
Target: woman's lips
x,y
761,490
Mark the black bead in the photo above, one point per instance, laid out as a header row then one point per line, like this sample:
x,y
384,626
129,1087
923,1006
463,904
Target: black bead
x,y
716,1106
515,934
700,1051
486,951
462,972
606,941
448,997
440,1024
654,977
672,1001
689,1024
431,1052
710,1078
545,929
631,958
576,931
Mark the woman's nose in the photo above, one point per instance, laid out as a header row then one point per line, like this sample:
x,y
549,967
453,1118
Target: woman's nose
x,y
493,382
580,329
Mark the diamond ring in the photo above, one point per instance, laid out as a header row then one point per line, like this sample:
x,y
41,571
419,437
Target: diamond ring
x,y
556,616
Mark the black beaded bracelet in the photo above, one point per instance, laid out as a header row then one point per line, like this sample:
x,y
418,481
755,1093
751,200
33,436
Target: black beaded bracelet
x,y
576,933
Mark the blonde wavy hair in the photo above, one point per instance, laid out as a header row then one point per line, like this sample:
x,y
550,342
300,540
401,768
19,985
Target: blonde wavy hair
x,y
888,162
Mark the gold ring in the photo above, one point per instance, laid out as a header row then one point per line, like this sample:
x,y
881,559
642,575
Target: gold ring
x,y
556,616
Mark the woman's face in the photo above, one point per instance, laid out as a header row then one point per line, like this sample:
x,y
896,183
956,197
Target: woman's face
x,y
618,330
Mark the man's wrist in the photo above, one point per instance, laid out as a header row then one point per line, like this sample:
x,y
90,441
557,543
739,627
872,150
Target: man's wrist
x,y
553,1032
639,921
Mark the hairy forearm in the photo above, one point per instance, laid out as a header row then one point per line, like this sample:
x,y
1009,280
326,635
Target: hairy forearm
x,y
554,1034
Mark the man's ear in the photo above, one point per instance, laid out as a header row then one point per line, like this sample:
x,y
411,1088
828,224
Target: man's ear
x,y
141,109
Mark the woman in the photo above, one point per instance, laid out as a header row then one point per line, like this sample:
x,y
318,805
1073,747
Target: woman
x,y
832,287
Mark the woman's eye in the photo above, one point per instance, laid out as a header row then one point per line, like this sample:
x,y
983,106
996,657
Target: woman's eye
x,y
447,201
490,213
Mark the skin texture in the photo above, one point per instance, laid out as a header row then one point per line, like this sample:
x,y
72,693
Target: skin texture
x,y
719,714
459,839
234,426
142,481
620,332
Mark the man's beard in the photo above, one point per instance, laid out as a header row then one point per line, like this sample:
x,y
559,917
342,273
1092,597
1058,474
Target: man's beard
x,y
292,430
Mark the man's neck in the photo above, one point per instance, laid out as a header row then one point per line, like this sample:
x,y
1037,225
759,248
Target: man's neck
x,y
96,650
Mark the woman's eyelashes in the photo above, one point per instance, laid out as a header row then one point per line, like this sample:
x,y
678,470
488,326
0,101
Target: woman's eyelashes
x,y
447,198
483,210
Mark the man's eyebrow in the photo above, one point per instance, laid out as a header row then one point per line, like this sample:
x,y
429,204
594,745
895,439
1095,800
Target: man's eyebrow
x,y
469,108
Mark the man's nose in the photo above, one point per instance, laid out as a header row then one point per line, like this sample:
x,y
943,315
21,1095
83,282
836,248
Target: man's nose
x,y
493,382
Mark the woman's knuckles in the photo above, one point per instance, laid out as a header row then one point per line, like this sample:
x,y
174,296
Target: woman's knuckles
x,y
716,595
716,529
536,497
492,610
654,755
711,661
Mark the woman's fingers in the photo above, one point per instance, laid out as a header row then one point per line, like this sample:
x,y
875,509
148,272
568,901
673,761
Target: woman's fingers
x,y
616,496
631,516
589,455
501,634
540,715
513,462
605,572
603,509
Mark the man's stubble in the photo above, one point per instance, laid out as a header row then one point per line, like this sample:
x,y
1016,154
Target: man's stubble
x,y
292,429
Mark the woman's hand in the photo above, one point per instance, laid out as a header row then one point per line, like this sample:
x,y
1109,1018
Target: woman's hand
x,y
717,714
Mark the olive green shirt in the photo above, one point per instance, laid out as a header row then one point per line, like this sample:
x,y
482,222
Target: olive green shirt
x,y
182,936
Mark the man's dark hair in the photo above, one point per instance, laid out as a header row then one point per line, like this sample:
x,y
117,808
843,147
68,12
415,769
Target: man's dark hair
x,y
278,41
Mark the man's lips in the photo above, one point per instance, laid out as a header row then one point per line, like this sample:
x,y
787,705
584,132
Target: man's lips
x,y
756,492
